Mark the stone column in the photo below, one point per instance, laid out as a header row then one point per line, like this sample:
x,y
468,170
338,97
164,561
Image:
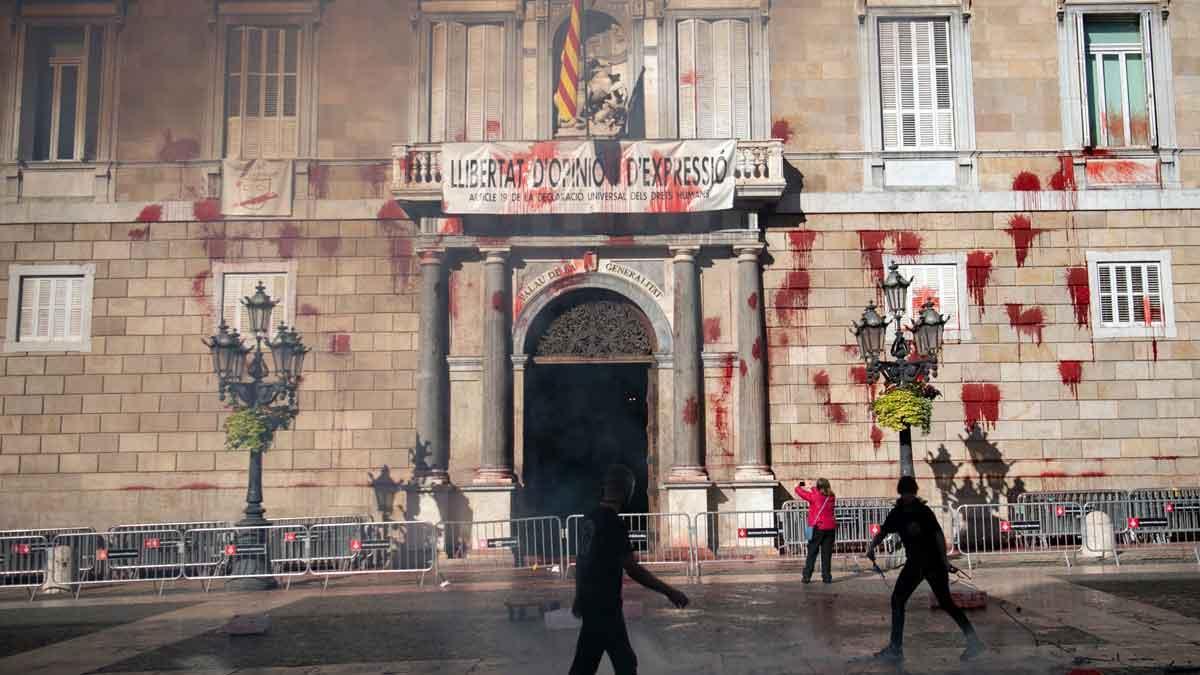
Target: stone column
x,y
496,457
752,352
688,458
432,452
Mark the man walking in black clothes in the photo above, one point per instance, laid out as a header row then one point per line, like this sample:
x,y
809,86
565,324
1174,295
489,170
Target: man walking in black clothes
x,y
925,548
604,551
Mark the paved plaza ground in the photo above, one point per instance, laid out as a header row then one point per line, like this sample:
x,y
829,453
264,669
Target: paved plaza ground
x,y
1142,619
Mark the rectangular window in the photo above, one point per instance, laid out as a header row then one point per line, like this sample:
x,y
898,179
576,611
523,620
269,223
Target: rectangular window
x,y
939,283
236,286
1119,84
1130,294
466,82
51,308
714,78
262,89
916,94
61,93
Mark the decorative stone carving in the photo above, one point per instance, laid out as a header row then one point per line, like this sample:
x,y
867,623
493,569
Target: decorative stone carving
x,y
597,328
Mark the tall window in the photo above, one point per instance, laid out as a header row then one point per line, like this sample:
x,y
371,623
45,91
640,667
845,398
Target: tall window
x,y
236,286
714,78
1117,69
916,94
61,95
466,82
261,79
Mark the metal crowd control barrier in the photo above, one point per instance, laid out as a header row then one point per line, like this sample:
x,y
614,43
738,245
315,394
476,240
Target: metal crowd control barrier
x,y
401,547
309,521
727,537
23,561
1041,528
245,553
658,540
503,545
1158,521
858,520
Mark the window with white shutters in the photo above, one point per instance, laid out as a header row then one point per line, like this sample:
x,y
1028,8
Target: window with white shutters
x,y
60,110
50,308
713,63
466,97
915,86
938,282
236,286
1130,294
262,92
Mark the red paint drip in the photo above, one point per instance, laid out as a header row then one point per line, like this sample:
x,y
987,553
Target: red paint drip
x,y
876,436
1029,322
908,244
1052,474
1071,373
689,78
870,246
198,290
285,245
1081,295
782,130
308,310
374,175
801,241
139,233
339,343
720,402
206,210
820,380
753,300
924,295
792,299
836,412
981,405
691,411
1021,229
712,330
756,352
1063,181
979,274
391,210
850,350
1026,182
742,368
1154,349
859,374
1093,474
150,213
328,246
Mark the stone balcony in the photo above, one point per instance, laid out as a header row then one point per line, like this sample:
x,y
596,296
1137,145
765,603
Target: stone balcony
x,y
417,172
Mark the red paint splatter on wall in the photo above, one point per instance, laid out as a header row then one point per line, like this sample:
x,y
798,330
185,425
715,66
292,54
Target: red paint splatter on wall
x,y
1093,474
782,129
374,175
1063,181
908,244
198,293
850,350
308,310
791,300
339,343
206,210
859,375
450,226
402,258
328,246
752,301
742,367
979,274
876,436
391,210
870,246
150,213
289,236
139,233
981,405
1081,295
801,241
1052,474
836,412
1026,182
1154,349
691,411
712,330
214,243
177,150
198,486
720,404
498,303
1023,233
1030,322
756,351
1071,373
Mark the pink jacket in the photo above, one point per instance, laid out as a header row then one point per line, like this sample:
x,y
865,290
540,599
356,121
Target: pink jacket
x,y
820,508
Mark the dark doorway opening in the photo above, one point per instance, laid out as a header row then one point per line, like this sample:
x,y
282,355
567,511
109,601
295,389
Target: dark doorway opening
x,y
579,419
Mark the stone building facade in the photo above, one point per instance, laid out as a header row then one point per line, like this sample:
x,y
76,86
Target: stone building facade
x,y
1034,164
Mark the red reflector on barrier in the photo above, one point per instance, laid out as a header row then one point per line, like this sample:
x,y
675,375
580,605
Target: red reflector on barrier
x,y
873,528
1060,511
1134,523
355,545
1169,508
230,549
21,549
741,533
1005,526
101,554
152,542
289,536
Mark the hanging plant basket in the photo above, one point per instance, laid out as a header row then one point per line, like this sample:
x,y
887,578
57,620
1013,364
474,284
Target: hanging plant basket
x,y
906,406
248,429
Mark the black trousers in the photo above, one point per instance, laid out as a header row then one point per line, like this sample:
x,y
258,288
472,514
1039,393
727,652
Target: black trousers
x,y
939,581
821,541
604,632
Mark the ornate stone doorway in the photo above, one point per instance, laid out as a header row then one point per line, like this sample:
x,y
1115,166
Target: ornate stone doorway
x,y
588,402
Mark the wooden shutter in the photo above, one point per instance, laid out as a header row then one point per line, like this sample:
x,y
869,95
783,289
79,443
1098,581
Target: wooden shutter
x,y
687,78
1107,294
493,109
722,107
51,309
75,308
439,36
739,63
1084,95
476,89
241,285
915,85
705,85
1154,293
456,83
943,89
889,83
939,281
1148,61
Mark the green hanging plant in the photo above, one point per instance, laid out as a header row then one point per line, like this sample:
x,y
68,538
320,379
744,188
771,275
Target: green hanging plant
x,y
248,429
909,405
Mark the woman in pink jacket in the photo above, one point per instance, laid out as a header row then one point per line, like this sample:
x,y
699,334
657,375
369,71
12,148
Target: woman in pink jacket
x,y
824,528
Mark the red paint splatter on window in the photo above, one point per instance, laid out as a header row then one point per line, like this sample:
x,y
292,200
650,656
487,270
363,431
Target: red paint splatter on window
x,y
908,244
876,436
923,295
177,150
622,240
198,293
756,351
498,303
150,213
289,236
391,210
374,175
450,226
339,343
691,411
836,412
870,246
1081,295
309,310
712,330
328,246
979,273
493,129
139,233
782,130
318,181
801,241
1071,373
1123,172
206,210
1023,233
1030,322
981,405
689,77
752,301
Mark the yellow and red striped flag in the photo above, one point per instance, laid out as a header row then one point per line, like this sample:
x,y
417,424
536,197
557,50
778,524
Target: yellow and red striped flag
x,y
566,98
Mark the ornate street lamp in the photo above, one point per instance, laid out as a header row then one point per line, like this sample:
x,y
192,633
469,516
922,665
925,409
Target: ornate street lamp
x,y
273,402
912,363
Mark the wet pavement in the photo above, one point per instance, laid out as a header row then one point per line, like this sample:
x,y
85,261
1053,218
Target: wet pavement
x,y
1039,620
